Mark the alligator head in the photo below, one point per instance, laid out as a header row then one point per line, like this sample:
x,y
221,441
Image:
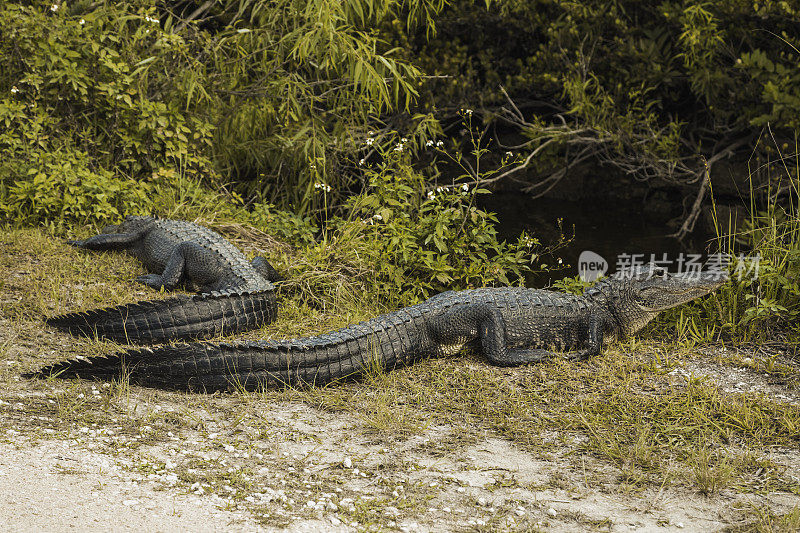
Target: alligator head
x,y
636,295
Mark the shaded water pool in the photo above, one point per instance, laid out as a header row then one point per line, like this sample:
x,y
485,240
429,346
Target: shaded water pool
x,y
614,230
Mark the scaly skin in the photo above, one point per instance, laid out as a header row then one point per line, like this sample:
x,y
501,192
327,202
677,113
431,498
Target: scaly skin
x,y
236,294
511,326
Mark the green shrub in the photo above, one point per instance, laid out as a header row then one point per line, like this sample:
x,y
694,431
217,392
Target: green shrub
x,y
648,87
422,243
762,298
110,80
93,103
59,188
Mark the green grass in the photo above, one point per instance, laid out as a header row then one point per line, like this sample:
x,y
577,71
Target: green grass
x,y
766,306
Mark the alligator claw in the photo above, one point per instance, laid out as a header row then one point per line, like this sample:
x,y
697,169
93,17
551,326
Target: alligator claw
x,y
151,280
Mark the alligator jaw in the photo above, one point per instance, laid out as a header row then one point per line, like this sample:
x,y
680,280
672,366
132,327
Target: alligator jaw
x,y
659,293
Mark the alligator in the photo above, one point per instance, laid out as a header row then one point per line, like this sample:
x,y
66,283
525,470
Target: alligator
x,y
511,326
235,295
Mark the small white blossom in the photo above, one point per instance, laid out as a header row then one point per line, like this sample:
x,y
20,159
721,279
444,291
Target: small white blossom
x,y
465,187
468,112
14,89
429,143
398,148
370,141
377,217
403,140
510,154
81,22
431,195
440,144
312,166
149,19
54,8
361,162
324,186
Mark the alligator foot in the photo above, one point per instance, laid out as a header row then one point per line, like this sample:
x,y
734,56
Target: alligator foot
x,y
151,280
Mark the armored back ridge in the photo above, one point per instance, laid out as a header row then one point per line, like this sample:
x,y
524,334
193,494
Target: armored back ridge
x,y
235,294
511,326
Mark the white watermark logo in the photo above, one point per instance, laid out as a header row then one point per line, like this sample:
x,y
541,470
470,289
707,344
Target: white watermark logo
x,y
592,265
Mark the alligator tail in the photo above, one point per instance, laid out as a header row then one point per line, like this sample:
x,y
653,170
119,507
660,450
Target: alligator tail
x,y
383,343
339,355
184,317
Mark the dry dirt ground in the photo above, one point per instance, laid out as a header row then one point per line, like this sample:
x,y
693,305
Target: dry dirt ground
x,y
85,456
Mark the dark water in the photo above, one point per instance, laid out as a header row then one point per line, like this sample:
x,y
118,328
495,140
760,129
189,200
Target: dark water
x,y
607,228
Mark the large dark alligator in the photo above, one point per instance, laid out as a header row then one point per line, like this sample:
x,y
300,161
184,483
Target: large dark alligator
x,y
511,326
236,294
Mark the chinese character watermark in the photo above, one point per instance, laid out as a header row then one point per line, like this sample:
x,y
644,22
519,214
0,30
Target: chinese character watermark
x,y
592,265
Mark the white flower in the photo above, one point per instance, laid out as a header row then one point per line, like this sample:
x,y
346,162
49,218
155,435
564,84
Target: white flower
x,y
377,217
398,148
324,186
14,90
431,195
429,143
510,154
149,19
403,140
370,141
81,22
440,144
361,162
468,112
54,8
465,187
312,166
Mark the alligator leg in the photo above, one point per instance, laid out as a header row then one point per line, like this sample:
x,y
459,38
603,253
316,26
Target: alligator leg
x,y
267,270
175,271
594,344
492,334
111,241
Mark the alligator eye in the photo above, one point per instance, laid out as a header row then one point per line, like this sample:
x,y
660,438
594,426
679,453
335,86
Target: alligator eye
x,y
660,272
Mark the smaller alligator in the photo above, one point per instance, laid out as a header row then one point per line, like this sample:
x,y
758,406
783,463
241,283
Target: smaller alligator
x,y
511,326
236,294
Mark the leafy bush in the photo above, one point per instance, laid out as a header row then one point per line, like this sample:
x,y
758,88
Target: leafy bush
x,y
93,104
648,87
763,296
59,188
109,79
426,242
295,82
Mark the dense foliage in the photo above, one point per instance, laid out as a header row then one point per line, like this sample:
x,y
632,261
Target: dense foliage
x,y
277,96
275,99
650,87
371,119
